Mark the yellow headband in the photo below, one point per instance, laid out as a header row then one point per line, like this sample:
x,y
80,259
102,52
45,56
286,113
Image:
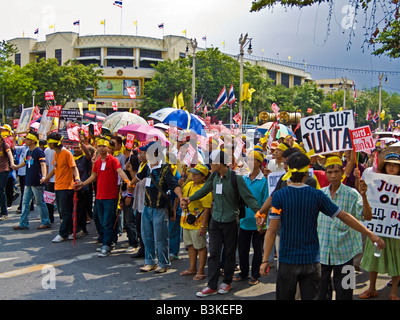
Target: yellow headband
x,y
333,160
103,142
288,174
256,155
57,142
30,136
282,146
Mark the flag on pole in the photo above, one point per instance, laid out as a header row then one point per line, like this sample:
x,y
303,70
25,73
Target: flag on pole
x,y
36,31
198,105
222,99
51,26
118,4
103,21
231,97
204,38
175,103
77,23
181,103
375,118
355,92
369,115
161,26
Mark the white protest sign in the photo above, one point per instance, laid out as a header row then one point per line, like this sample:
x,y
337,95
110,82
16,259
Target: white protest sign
x,y
49,197
189,155
328,132
362,139
383,197
239,147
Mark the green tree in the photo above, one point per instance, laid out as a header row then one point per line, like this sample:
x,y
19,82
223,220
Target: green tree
x,y
377,30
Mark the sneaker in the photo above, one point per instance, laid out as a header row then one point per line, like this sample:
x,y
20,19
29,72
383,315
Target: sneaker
x,y
206,292
161,270
3,217
131,249
104,253
58,239
148,267
224,288
78,235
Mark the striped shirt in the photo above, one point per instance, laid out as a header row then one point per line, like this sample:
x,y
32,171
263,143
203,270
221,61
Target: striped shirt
x,y
338,242
298,208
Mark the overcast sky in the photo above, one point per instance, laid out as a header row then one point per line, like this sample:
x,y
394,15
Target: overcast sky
x,y
276,34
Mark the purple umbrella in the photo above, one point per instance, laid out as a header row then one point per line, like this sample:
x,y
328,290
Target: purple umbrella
x,y
144,132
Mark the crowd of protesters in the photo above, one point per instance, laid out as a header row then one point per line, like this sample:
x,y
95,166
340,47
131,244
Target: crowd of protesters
x,y
219,207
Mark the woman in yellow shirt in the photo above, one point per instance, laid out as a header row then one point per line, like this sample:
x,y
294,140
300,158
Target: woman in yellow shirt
x,y
194,223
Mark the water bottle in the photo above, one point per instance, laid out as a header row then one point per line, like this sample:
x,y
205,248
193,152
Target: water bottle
x,y
377,251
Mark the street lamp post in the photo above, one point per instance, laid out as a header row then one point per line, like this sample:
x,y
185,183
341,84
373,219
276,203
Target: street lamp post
x,y
33,98
243,41
193,44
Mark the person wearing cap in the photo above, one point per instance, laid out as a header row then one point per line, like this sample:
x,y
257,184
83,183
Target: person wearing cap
x,y
155,222
248,231
297,207
223,228
194,233
276,164
65,172
105,171
6,164
389,261
36,171
339,244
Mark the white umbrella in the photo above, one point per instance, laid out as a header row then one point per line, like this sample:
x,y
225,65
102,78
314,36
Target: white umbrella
x,y
119,120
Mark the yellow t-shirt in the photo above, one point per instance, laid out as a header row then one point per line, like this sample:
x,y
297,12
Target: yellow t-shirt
x,y
200,204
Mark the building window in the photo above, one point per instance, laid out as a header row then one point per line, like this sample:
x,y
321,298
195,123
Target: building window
x,y
120,52
40,55
123,63
285,79
58,55
18,59
144,53
88,62
297,81
148,64
90,52
272,75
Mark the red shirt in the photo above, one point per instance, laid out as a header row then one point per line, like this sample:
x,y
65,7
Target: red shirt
x,y
107,178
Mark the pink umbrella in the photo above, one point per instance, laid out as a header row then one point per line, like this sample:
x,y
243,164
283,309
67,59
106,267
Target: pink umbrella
x,y
144,132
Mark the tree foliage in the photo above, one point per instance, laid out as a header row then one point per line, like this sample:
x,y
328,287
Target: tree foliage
x,y
378,31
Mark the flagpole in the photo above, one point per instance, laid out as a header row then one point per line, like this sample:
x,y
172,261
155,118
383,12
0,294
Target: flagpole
x,y
121,21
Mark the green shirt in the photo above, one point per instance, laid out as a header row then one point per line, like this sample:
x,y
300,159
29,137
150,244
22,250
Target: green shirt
x,y
338,242
225,207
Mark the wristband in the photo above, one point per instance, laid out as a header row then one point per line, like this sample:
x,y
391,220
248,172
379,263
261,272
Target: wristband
x,y
264,262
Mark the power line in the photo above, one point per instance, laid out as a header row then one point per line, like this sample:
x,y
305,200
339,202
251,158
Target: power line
x,y
320,67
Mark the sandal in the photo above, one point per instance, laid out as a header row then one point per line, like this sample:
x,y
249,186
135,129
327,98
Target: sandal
x,y
253,281
187,273
238,277
199,276
368,294
394,297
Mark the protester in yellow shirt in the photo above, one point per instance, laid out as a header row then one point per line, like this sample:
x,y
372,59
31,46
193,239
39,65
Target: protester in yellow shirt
x,y
194,223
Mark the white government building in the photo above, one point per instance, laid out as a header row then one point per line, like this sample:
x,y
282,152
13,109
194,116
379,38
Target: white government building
x,y
126,61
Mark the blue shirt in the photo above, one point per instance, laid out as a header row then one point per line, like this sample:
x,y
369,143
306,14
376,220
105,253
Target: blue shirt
x,y
298,207
259,188
33,169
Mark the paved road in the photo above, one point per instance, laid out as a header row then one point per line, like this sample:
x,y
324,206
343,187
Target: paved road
x,y
29,262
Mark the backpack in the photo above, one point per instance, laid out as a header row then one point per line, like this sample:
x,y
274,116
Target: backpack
x,y
240,202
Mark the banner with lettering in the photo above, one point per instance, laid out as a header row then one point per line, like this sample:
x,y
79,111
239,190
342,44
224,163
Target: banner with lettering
x,y
328,132
383,197
362,139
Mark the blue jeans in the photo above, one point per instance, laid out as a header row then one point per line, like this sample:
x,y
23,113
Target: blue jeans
x,y
3,198
65,207
155,225
107,214
36,191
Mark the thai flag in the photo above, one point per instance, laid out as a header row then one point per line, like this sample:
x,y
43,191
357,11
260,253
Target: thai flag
x,y
76,23
36,31
161,26
375,118
118,3
222,99
198,105
231,98
204,38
